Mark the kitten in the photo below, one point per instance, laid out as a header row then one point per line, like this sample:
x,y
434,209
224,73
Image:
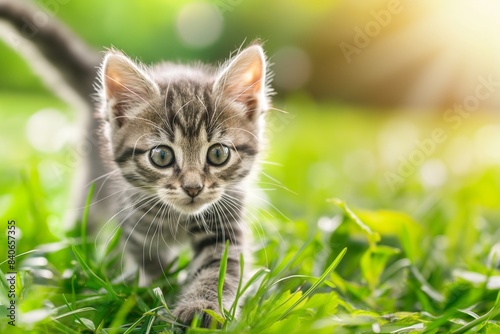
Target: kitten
x,y
185,139
181,142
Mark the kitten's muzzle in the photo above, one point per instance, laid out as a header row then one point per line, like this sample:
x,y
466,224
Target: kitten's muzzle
x,y
192,190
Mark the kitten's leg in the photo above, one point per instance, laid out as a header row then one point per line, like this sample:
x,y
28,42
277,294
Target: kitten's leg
x,y
201,292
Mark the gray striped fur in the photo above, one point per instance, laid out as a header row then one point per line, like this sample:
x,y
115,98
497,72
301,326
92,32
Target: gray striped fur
x,y
188,109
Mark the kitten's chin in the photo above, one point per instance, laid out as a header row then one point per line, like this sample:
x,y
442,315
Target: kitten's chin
x,y
191,208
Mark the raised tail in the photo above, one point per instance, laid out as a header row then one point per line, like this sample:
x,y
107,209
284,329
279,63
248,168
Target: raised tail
x,y
65,63
69,68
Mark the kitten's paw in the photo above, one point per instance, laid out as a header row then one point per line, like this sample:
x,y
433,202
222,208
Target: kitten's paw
x,y
186,311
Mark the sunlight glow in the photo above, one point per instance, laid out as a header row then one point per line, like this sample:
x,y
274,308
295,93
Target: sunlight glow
x,y
464,35
435,49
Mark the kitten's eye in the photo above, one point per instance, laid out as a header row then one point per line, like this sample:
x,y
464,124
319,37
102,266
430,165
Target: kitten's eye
x,y
217,155
162,156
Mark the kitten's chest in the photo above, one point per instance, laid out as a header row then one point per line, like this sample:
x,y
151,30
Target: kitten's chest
x,y
154,226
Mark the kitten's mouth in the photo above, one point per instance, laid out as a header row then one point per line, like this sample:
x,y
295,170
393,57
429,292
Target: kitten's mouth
x,y
189,205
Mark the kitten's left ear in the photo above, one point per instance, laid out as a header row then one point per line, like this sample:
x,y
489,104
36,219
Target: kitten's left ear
x,y
244,80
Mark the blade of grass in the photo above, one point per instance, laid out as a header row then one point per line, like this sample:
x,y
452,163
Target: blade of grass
x,y
110,246
21,255
80,310
89,324
215,316
74,314
31,181
159,294
261,272
119,317
83,231
106,285
373,237
144,316
150,322
305,277
484,318
94,300
288,262
320,280
63,328
232,311
222,276
73,291
435,295
270,276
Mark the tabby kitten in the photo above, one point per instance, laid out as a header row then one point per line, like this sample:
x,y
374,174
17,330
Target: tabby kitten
x,y
179,143
185,140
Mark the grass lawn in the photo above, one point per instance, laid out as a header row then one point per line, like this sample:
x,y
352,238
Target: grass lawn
x,y
365,224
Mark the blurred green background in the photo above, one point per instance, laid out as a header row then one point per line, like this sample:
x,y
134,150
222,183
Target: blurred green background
x,y
365,84
387,102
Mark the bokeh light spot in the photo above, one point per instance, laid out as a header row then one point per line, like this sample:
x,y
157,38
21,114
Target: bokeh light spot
x,y
396,140
199,24
48,130
487,140
433,173
292,68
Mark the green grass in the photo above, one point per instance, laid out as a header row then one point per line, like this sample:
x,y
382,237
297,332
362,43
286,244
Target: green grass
x,y
338,248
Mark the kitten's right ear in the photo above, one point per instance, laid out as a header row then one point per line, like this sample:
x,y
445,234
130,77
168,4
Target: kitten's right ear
x,y
244,80
125,86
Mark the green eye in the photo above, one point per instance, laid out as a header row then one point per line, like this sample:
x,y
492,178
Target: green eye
x,y
218,155
162,156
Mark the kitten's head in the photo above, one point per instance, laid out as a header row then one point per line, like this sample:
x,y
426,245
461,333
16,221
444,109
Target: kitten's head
x,y
185,134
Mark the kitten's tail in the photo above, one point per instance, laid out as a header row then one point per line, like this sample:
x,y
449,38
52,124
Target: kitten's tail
x,y
57,55
68,66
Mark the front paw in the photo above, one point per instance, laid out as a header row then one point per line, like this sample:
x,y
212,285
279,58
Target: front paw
x,y
186,311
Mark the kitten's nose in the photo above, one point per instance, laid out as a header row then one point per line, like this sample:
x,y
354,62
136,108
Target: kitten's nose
x,y
192,189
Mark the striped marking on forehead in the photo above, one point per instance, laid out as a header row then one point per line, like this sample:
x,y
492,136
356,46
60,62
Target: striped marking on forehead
x,y
189,106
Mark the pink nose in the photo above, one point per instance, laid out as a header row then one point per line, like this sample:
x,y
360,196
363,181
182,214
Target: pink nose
x,y
192,190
